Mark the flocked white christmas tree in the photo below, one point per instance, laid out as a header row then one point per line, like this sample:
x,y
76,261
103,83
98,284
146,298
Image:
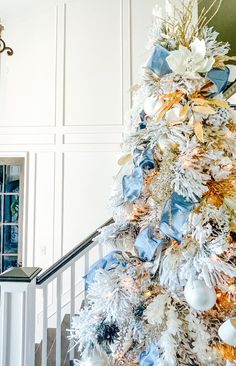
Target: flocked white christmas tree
x,y
165,295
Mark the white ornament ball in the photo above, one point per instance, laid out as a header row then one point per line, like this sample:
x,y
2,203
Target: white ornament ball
x,y
152,106
199,296
95,359
227,332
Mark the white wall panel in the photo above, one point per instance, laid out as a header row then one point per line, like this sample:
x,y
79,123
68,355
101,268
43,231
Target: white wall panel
x,y
29,211
87,185
141,17
44,209
93,67
96,138
63,98
26,139
27,81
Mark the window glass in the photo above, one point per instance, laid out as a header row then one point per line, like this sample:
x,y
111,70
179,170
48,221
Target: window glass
x,y
9,261
1,177
11,208
12,178
10,239
10,201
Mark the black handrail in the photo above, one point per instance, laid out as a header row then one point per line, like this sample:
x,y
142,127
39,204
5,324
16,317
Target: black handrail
x,y
69,256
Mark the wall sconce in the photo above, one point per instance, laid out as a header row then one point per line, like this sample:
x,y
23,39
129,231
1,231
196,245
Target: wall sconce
x,y
3,46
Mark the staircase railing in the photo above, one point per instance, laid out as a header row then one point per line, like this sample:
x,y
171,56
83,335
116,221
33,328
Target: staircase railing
x,y
24,292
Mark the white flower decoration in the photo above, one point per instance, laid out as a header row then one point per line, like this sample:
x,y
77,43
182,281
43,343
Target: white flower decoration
x,y
190,62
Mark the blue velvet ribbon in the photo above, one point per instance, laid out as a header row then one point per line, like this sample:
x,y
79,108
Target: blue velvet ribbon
x,y
147,244
157,62
220,78
175,214
109,262
143,122
144,159
151,357
132,185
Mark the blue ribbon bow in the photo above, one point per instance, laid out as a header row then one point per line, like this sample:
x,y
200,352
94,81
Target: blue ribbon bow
x,y
151,357
144,159
143,122
175,214
157,62
220,78
132,185
109,262
147,244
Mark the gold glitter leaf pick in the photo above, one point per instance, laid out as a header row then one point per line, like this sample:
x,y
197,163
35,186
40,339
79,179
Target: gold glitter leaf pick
x,y
200,101
198,130
184,111
124,159
152,74
134,88
219,103
204,110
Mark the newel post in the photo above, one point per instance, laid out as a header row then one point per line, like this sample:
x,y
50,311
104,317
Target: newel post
x,y
17,316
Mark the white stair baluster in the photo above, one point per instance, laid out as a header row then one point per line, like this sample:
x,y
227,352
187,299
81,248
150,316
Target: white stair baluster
x,y
45,326
86,268
58,330
72,305
100,249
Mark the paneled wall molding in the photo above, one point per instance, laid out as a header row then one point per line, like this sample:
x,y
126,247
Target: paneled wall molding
x,y
95,138
64,97
102,63
60,130
27,82
98,147
26,139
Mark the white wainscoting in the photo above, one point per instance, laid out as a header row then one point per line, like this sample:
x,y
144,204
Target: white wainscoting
x,y
64,96
63,99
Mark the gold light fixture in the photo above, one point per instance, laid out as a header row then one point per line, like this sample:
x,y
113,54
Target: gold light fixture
x,y
3,46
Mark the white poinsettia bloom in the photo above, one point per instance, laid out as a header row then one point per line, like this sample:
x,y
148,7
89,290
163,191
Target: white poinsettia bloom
x,y
189,62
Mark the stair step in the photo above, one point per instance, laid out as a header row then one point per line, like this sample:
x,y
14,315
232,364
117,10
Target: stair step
x,y
65,346
38,354
65,343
